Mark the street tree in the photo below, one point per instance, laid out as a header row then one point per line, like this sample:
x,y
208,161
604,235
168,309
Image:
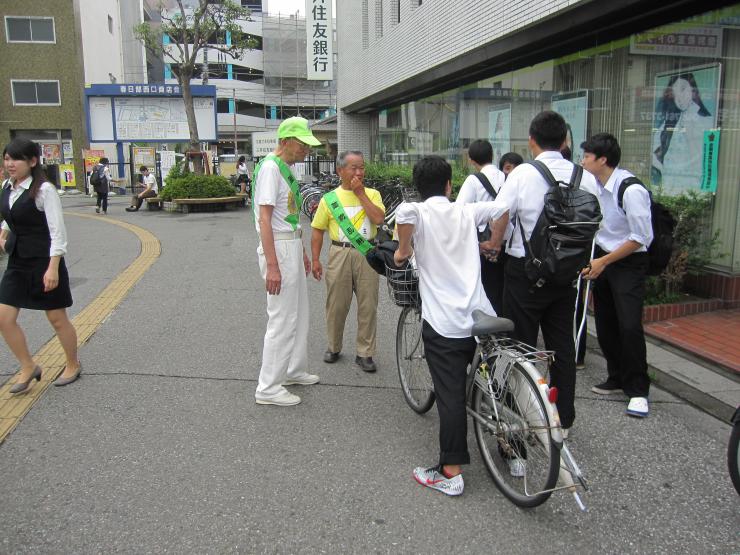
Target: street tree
x,y
192,30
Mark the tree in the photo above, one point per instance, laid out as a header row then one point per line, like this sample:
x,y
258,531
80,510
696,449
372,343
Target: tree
x,y
191,30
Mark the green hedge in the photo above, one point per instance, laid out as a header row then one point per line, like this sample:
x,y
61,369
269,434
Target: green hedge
x,y
390,172
197,186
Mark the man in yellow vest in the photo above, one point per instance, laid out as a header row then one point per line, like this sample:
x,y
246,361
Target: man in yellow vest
x,y
351,213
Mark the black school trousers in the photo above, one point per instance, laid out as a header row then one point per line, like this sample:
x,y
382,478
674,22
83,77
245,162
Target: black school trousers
x,y
551,308
492,277
448,359
619,293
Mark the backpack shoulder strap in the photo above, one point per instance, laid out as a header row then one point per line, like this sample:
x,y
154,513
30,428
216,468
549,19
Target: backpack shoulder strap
x,y
486,184
544,171
575,177
623,187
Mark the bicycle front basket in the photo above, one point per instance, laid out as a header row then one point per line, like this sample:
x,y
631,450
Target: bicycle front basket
x,y
403,286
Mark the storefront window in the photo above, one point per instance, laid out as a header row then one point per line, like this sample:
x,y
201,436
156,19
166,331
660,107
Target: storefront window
x,y
670,95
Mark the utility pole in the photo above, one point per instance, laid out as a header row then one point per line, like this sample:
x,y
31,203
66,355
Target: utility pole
x,y
233,96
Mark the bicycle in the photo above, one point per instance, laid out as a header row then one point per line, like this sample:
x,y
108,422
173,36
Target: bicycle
x,y
513,409
733,451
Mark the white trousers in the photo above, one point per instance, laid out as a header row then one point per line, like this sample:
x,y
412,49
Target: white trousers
x,y
285,350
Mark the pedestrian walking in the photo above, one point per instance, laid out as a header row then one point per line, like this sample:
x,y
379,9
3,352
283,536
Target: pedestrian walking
x,y
34,236
351,214
284,266
150,190
242,175
100,180
483,186
619,269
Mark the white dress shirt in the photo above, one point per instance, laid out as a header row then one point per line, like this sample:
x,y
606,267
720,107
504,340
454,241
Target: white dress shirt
x,y
446,250
523,195
472,190
49,203
151,182
630,223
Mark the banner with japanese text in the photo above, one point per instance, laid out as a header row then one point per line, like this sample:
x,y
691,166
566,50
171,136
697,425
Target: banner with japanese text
x,y
319,35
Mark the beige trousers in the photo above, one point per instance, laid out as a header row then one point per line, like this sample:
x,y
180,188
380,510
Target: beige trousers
x,y
348,272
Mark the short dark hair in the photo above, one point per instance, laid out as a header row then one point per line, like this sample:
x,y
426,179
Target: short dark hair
x,y
512,158
431,175
606,145
567,153
103,160
143,169
548,129
480,151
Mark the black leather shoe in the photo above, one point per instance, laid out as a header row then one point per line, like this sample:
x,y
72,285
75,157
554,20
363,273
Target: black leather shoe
x,y
131,209
366,363
331,357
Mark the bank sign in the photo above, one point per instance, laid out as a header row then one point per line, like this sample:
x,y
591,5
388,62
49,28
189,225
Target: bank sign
x,y
319,35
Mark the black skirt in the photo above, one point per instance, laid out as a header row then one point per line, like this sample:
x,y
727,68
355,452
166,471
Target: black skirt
x,y
22,285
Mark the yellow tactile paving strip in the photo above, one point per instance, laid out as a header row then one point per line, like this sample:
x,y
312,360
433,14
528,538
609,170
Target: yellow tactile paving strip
x,y
51,356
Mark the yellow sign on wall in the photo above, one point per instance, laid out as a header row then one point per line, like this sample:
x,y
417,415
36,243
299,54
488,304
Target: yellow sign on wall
x,y
67,176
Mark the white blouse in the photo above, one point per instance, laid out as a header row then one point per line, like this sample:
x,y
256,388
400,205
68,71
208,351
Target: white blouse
x,y
48,202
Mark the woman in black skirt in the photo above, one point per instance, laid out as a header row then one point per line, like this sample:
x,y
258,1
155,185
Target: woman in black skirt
x,y
34,236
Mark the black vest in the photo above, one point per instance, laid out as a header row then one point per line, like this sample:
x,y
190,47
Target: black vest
x,y
29,233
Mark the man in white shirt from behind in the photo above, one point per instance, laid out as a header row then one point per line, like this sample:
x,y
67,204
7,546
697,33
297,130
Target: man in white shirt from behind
x,y
447,257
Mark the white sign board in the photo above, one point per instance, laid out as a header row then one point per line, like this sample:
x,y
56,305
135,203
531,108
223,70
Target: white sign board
x,y
319,35
263,143
162,119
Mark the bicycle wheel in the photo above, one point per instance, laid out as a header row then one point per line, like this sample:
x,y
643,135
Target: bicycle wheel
x,y
733,456
515,441
416,381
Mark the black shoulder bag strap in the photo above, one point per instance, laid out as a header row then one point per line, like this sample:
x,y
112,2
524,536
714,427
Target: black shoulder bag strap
x,y
486,184
623,187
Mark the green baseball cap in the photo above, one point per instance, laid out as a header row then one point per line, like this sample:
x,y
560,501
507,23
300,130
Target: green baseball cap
x,y
297,127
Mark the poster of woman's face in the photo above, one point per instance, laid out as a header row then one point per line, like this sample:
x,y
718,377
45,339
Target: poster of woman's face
x,y
686,104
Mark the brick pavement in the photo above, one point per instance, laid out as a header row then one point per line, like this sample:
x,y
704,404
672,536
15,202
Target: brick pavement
x,y
714,336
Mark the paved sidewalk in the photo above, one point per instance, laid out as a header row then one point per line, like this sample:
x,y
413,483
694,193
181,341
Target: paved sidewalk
x,y
159,447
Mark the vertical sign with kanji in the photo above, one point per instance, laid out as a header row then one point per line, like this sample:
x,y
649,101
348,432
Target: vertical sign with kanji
x,y
319,34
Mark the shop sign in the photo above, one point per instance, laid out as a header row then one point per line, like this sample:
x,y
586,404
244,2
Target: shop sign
x,y
711,156
67,176
319,35
703,42
263,143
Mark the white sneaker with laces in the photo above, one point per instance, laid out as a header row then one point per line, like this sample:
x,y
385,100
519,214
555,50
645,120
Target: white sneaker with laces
x,y
286,399
305,379
433,478
638,406
517,467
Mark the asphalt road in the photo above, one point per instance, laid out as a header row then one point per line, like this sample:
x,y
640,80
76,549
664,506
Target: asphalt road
x,y
160,448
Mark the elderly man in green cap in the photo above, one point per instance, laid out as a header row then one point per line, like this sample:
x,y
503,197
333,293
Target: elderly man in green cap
x,y
284,266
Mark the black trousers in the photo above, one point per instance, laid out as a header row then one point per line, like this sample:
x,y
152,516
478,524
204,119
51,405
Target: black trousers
x,y
551,308
492,277
137,201
103,200
619,293
448,359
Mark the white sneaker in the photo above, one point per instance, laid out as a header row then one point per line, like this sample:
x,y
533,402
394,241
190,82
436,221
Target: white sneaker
x,y
638,406
305,379
433,478
517,467
565,432
283,400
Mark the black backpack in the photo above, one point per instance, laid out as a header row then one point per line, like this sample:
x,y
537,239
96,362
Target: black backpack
x,y
661,249
95,179
561,242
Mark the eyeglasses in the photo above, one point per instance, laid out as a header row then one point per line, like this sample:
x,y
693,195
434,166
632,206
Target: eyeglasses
x,y
300,142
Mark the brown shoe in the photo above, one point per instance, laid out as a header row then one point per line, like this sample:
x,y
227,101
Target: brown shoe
x,y
366,363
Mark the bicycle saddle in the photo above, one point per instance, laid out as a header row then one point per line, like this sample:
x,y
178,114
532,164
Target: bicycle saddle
x,y
483,324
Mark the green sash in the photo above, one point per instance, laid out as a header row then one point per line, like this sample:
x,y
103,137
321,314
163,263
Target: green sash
x,y
292,219
345,223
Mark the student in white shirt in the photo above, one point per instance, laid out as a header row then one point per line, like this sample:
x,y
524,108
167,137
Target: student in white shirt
x,y
551,306
446,252
150,190
619,267
474,189
242,174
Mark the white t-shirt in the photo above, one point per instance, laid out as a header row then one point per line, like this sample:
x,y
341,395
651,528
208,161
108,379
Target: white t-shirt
x,y
272,190
447,256
151,181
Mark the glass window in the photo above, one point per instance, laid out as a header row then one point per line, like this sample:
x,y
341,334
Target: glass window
x,y
35,93
30,29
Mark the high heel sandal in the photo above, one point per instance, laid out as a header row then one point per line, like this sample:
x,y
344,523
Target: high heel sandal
x,y
20,387
66,381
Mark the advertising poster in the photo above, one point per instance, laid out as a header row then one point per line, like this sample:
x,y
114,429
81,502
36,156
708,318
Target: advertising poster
x,y
167,159
91,158
686,103
499,130
573,106
143,156
68,150
67,176
51,153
